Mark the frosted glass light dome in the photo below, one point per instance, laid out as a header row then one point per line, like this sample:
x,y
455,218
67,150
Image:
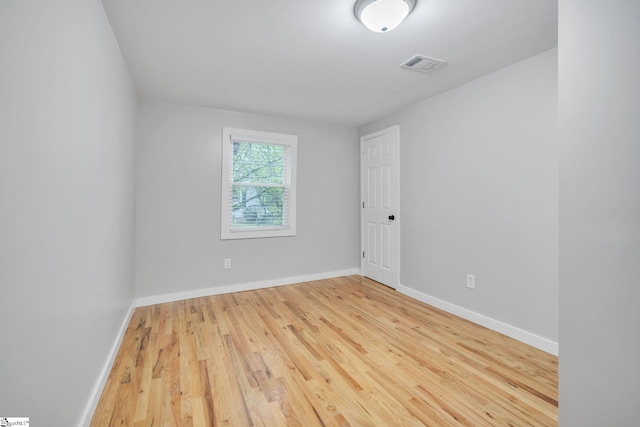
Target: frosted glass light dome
x,y
382,16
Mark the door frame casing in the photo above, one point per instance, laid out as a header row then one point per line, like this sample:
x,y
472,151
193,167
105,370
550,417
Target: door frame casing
x,y
396,129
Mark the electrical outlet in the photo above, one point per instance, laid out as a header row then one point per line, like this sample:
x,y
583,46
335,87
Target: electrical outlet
x,y
227,263
471,281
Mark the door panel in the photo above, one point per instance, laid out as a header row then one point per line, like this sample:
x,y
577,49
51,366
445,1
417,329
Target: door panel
x,y
385,185
385,246
372,185
372,246
380,189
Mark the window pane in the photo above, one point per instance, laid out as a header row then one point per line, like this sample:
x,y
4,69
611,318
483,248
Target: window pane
x,y
258,206
258,163
258,184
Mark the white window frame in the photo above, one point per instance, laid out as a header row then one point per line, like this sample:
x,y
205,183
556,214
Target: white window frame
x,y
229,135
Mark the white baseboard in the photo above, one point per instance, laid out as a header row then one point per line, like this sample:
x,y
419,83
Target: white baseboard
x,y
94,397
533,340
178,296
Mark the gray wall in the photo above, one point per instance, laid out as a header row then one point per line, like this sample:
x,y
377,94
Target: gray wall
x,y
599,64
178,246
67,119
479,195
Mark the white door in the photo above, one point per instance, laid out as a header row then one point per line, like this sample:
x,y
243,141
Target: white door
x,y
380,203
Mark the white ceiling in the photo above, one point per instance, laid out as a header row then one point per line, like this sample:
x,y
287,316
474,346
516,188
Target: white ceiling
x,y
314,59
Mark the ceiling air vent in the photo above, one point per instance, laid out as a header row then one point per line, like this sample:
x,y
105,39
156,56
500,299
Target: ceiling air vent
x,y
422,63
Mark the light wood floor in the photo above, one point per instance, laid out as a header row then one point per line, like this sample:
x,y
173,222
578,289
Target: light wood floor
x,y
339,352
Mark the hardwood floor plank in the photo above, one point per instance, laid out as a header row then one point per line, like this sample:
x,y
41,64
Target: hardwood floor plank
x,y
337,352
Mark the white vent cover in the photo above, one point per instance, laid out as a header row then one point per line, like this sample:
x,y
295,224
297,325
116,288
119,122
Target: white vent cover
x,y
422,63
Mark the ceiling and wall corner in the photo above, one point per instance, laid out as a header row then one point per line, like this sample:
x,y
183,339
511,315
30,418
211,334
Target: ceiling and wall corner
x,y
315,60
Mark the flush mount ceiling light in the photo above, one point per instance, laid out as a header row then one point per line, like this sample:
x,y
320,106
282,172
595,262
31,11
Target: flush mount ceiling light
x,y
383,15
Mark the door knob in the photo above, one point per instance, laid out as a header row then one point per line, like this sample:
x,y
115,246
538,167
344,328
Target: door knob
x,y
392,217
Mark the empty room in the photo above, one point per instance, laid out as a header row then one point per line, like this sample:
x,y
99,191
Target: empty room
x,y
320,213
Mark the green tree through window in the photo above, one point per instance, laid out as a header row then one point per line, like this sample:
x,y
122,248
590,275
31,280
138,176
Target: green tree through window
x,y
258,184
257,193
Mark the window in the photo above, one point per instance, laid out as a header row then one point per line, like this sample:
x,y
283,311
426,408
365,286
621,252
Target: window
x,y
258,184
